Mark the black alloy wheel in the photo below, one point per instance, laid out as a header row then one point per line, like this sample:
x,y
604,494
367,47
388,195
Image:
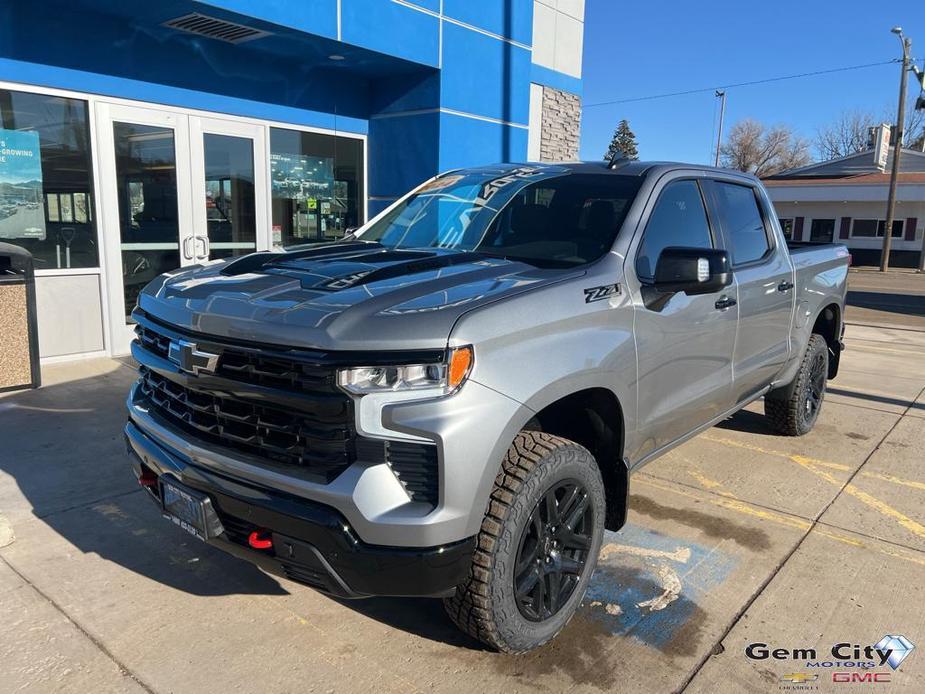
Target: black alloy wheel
x,y
553,550
815,387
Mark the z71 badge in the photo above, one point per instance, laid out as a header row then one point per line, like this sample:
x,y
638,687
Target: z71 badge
x,y
598,293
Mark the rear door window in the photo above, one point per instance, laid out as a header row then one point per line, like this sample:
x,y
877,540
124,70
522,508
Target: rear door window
x,y
742,222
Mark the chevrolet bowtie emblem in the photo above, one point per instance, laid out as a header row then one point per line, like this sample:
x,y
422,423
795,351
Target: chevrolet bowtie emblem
x,y
799,678
191,359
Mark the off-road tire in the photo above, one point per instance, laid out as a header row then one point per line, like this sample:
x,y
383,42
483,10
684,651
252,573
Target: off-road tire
x,y
484,606
787,407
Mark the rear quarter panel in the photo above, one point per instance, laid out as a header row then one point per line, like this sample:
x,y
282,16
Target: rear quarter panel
x,y
821,279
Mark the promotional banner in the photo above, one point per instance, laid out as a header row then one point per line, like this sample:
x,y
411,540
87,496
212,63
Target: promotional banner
x,y
21,210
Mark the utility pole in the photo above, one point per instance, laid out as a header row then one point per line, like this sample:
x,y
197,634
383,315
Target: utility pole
x,y
721,94
897,151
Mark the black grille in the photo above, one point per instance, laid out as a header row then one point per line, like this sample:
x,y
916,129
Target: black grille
x,y
321,446
414,464
253,366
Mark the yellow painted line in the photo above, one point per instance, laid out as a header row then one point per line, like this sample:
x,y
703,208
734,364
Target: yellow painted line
x,y
912,484
887,510
895,480
789,521
707,483
735,505
867,499
776,454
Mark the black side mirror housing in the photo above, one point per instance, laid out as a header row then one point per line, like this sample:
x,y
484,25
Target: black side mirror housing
x,y
692,270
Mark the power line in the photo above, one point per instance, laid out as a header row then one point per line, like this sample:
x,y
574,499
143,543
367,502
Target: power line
x,y
740,84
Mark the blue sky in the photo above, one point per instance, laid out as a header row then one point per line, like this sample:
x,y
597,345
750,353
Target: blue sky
x,y
635,48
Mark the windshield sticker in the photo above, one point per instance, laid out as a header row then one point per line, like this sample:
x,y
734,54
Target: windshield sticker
x,y
493,186
439,183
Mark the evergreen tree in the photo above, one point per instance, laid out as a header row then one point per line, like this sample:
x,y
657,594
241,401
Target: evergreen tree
x,y
623,142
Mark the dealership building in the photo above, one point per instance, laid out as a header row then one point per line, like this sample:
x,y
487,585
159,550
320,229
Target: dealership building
x,y
138,137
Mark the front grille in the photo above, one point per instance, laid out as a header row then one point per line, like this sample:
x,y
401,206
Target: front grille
x,y
255,366
320,444
287,411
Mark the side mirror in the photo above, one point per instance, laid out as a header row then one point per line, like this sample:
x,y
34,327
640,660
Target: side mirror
x,y
692,270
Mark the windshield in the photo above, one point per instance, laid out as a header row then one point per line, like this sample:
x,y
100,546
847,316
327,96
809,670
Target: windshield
x,y
541,216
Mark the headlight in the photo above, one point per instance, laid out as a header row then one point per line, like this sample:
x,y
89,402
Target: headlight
x,y
447,376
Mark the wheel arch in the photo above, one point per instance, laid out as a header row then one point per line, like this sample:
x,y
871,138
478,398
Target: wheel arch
x,y
828,324
594,418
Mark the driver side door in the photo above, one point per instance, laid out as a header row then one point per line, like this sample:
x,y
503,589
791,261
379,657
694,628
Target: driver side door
x,y
684,343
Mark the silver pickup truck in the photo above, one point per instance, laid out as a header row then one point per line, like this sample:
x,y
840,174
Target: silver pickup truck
x,y
449,401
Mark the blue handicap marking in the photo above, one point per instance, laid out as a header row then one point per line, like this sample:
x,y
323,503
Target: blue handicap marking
x,y
649,585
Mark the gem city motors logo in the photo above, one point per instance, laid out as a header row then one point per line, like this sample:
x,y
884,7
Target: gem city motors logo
x,y
850,663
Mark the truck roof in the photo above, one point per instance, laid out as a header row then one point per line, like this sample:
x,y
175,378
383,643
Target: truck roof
x,y
622,168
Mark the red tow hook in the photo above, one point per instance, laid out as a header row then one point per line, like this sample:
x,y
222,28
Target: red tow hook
x,y
147,479
260,539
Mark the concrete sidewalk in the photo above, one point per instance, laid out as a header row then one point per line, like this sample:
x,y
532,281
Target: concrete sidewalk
x,y
739,536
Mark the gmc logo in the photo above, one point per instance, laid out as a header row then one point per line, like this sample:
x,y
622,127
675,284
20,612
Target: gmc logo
x,y
867,677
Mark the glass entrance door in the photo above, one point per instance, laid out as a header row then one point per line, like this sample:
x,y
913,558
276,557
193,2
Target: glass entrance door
x,y
176,190
146,204
229,188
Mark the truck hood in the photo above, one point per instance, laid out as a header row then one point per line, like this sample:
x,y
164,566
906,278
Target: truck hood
x,y
341,296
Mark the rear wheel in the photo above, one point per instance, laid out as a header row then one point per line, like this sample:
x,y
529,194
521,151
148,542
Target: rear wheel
x,y
537,547
794,409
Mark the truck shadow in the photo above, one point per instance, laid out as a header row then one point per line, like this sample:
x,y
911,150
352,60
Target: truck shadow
x,y
748,423
62,446
593,635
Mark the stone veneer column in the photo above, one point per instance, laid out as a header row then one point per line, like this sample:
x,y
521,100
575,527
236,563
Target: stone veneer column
x,y
560,125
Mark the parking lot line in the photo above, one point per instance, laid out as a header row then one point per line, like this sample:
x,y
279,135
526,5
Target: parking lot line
x,y
805,460
727,500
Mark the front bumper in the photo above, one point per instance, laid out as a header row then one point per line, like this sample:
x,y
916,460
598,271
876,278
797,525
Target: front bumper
x,y
312,543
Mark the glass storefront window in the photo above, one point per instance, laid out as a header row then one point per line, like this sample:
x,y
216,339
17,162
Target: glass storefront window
x,y
317,186
46,182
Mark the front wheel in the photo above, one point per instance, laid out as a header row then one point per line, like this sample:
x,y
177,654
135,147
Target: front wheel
x,y
537,547
794,409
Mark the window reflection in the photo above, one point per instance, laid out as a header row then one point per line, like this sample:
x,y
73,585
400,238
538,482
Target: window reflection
x,y
46,188
316,184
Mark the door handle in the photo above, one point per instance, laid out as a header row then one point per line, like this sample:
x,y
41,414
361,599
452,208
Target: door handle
x,y
205,246
785,286
187,254
725,302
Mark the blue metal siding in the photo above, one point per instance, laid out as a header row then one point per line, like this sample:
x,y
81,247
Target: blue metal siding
x,y
512,19
471,142
485,76
555,79
403,152
391,28
312,16
392,68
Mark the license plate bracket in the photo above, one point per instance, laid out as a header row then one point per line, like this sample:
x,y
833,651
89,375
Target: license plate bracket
x,y
189,509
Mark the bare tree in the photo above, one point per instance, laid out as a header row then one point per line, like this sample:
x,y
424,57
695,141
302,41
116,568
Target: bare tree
x,y
847,134
751,146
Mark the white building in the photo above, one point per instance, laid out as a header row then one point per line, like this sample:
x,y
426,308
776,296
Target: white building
x,y
845,200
